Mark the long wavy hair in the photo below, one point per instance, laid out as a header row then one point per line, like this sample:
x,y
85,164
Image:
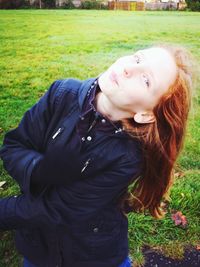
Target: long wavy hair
x,y
161,140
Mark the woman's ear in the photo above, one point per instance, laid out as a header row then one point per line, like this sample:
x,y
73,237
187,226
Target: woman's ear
x,y
144,117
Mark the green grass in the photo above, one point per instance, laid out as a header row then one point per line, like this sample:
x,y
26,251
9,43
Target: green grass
x,y
40,46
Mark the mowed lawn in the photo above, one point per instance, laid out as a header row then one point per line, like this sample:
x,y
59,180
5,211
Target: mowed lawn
x,y
40,46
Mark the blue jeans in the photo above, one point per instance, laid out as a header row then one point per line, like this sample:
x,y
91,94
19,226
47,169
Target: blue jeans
x,y
28,263
125,263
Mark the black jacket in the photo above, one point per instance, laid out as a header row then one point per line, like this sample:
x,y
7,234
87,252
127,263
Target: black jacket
x,y
75,223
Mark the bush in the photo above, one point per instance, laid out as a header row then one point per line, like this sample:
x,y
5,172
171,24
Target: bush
x,y
69,5
104,5
92,4
12,4
49,3
193,5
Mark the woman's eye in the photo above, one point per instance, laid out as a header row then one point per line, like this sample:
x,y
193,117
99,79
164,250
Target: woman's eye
x,y
146,80
137,59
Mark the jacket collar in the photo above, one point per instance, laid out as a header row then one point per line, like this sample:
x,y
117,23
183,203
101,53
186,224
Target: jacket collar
x,y
84,89
82,92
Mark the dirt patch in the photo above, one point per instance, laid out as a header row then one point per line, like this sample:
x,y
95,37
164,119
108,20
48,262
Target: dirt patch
x,y
155,259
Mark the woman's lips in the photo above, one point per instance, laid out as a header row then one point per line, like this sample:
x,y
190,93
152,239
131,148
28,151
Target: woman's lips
x,y
113,77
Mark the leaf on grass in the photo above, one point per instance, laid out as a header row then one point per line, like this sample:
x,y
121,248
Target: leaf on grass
x,y
179,174
164,205
179,219
2,184
182,194
198,247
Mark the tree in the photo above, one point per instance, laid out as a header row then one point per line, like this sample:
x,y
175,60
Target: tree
x,y
12,4
193,5
49,3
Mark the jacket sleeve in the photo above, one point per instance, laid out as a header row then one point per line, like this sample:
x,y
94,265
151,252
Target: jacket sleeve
x,y
62,206
21,148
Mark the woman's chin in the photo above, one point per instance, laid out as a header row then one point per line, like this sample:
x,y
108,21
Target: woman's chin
x,y
103,82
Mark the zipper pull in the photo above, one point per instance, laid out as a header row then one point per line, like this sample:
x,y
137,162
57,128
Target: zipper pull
x,y
118,130
57,133
97,116
85,165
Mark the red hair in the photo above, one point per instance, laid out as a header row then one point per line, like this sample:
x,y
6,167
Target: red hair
x,y
161,141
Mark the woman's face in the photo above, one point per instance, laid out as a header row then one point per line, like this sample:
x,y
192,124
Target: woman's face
x,y
135,83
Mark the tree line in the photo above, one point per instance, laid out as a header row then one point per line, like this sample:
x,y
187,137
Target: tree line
x,y
193,5
12,4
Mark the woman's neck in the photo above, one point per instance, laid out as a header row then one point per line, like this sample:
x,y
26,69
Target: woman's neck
x,y
108,110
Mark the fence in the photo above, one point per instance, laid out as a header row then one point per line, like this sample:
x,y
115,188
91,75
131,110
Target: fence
x,y
136,6
126,5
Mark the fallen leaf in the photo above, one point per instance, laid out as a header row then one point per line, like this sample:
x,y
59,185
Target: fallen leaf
x,y
2,184
179,219
179,174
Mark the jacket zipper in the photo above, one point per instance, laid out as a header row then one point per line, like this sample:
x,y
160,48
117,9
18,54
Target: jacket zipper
x,y
85,165
57,132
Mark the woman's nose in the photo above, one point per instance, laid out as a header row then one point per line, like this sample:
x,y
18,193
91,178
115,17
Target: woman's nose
x,y
128,71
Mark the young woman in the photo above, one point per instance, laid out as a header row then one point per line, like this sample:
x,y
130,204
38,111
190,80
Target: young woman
x,y
76,151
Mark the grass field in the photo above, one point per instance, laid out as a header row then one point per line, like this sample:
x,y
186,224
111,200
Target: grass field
x,y
40,46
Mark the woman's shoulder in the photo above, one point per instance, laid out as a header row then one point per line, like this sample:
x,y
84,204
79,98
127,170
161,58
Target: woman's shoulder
x,y
68,84
133,152
120,150
72,86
